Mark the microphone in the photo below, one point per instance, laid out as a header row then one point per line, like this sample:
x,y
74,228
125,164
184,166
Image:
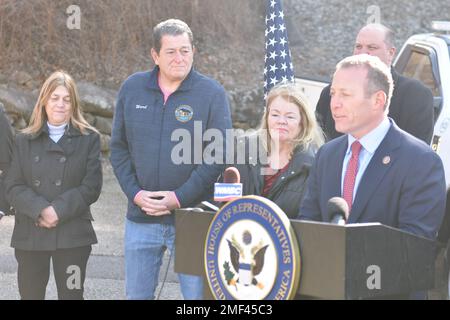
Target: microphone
x,y
231,175
231,188
337,210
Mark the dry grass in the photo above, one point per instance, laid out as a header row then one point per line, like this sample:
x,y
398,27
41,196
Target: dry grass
x,y
115,36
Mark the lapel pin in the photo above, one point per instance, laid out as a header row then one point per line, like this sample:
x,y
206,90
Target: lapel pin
x,y
386,160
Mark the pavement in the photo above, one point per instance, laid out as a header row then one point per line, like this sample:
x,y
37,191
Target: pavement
x,y
105,279
105,275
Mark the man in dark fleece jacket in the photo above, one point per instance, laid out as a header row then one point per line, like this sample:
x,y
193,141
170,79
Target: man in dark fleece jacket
x,y
157,152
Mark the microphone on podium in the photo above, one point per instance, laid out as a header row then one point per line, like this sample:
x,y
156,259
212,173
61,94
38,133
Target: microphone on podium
x,y
231,188
231,175
337,210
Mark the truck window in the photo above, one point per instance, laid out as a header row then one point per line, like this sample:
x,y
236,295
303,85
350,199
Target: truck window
x,y
419,67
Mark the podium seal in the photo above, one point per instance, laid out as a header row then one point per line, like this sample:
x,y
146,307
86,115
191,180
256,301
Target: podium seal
x,y
251,252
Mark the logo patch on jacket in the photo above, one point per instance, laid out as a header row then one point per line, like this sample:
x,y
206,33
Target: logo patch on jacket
x,y
184,113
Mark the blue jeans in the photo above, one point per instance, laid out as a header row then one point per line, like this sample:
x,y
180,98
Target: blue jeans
x,y
145,244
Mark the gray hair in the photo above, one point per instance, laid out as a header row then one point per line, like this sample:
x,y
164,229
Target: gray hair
x,y
172,27
379,75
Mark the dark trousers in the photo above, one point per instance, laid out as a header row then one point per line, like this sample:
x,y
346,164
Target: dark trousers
x,y
69,268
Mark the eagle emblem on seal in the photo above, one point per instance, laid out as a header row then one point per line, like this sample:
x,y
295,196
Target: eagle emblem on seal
x,y
247,261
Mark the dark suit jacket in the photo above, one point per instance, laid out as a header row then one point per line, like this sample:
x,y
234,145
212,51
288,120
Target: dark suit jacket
x,y
407,193
411,108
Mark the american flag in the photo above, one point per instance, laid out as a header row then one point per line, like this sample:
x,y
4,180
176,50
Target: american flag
x,y
278,66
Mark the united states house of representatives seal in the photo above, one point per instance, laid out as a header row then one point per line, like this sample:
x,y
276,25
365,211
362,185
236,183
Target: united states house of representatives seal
x,y
251,252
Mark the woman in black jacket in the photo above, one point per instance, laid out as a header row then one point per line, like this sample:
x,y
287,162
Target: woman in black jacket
x,y
6,142
54,177
278,157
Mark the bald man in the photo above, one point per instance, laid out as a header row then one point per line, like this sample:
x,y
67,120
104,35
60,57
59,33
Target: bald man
x,y
411,106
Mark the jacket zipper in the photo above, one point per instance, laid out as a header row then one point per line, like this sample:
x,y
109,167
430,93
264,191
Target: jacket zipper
x,y
159,140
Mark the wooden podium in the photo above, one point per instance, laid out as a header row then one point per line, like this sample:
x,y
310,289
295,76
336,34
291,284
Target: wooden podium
x,y
338,262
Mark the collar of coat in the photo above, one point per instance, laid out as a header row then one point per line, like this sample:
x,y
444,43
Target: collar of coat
x,y
395,75
70,131
301,159
185,85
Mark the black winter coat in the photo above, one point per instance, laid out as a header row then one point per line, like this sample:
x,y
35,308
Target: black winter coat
x,y
6,142
66,175
288,190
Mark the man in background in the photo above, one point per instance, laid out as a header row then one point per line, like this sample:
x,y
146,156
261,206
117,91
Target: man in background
x,y
411,105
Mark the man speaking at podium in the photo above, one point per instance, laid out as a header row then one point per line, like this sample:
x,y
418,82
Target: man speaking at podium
x,y
384,174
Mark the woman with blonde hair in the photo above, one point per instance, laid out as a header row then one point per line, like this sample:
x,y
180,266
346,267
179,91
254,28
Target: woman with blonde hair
x,y
289,137
55,176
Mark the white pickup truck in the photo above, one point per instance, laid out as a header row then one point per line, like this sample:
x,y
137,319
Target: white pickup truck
x,y
425,57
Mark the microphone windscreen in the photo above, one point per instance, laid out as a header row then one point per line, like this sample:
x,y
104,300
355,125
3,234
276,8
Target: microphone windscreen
x,y
337,205
231,175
